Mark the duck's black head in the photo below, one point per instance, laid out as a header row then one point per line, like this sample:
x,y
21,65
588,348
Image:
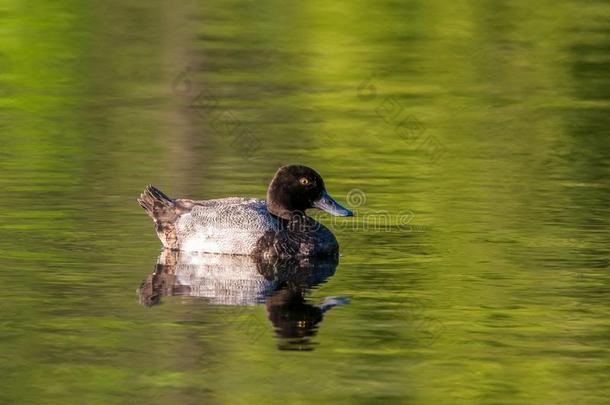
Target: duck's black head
x,y
295,188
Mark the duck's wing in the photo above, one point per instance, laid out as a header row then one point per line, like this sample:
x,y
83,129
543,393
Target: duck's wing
x,y
228,225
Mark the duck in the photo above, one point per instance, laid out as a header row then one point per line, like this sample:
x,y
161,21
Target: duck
x,y
275,227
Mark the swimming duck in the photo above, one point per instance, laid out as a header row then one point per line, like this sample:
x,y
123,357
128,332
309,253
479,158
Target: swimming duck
x,y
275,227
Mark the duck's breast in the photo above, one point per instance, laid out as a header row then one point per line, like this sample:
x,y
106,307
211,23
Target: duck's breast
x,y
228,225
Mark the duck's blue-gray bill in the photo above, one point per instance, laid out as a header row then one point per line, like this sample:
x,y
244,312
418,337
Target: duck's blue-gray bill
x,y
328,204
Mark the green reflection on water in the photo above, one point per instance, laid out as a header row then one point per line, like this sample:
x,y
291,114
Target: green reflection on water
x,y
487,121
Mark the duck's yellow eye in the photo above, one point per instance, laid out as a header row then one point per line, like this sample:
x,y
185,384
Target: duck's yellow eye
x,y
304,181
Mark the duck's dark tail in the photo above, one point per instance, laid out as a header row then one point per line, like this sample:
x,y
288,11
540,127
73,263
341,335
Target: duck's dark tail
x,y
156,204
162,210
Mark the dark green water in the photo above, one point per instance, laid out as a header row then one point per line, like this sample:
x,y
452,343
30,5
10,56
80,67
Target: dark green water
x,y
472,139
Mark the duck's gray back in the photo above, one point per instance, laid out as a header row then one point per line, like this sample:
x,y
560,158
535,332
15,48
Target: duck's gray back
x,y
228,225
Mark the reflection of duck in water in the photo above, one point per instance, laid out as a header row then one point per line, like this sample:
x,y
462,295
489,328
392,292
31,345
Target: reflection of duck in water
x,y
246,280
295,319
